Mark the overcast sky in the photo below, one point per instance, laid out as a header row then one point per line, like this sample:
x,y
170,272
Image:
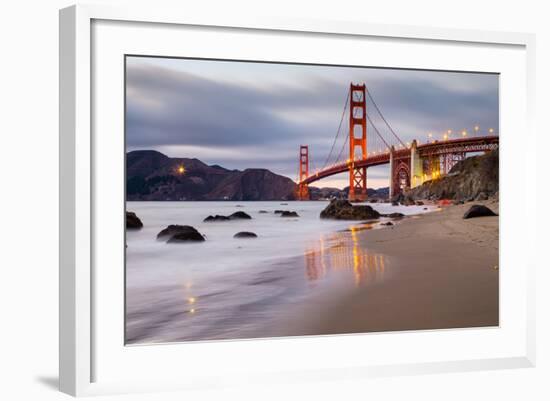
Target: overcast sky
x,y
243,115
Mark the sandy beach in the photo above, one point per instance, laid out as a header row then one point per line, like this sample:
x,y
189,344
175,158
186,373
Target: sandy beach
x,y
444,275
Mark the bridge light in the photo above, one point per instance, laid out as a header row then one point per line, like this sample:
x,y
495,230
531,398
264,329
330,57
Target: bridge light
x,y
476,128
450,131
445,137
491,130
464,133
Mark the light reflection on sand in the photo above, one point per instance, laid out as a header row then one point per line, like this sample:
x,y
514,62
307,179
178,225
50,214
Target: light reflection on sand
x,y
342,252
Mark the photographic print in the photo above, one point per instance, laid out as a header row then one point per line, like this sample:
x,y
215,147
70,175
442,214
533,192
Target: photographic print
x,y
273,199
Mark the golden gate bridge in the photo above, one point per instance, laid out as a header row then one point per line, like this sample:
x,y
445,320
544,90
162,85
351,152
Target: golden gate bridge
x,y
366,144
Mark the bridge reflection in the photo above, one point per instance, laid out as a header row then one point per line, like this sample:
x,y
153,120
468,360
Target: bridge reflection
x,y
343,252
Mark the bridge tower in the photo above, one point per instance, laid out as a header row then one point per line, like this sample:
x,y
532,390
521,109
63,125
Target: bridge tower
x,y
357,118
303,190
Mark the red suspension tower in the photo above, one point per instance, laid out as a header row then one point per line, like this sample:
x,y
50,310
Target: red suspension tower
x,y
303,191
357,118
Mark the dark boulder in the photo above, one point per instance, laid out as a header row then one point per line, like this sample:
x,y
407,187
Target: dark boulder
x,y
278,211
394,203
394,215
245,234
176,229
234,216
287,213
262,211
419,203
132,221
216,218
186,237
239,215
177,233
343,210
388,223
478,211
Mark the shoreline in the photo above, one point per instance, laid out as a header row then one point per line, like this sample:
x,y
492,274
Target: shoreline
x,y
456,286
364,278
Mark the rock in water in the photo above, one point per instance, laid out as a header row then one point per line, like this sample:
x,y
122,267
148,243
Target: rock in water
x,y
186,237
478,211
239,215
245,234
132,221
175,229
287,213
234,216
343,210
216,218
394,215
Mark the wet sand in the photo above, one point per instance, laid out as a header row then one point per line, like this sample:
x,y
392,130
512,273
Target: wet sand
x,y
444,275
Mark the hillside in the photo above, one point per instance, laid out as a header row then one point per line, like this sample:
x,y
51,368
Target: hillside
x,y
153,176
474,177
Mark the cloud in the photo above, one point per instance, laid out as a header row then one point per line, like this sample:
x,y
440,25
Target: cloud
x,y
242,115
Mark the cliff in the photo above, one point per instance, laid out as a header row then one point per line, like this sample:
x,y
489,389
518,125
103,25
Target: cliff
x,y
474,177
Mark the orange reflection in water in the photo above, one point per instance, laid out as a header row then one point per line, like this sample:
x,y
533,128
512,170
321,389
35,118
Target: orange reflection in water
x,y
343,251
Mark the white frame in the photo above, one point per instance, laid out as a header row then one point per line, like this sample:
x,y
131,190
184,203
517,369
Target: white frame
x,y
76,168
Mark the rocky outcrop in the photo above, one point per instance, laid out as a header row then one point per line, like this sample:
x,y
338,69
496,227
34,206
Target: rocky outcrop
x,y
235,216
473,178
178,233
132,221
478,211
287,213
245,234
217,217
343,210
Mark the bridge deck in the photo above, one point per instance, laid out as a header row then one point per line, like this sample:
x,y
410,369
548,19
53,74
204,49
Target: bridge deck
x,y
461,145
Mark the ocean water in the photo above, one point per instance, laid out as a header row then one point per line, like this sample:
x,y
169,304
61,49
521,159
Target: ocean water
x,y
228,288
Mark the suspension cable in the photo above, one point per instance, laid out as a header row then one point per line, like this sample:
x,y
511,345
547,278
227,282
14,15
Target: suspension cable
x,y
377,132
384,119
337,132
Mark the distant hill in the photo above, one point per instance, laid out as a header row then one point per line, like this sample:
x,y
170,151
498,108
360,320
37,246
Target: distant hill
x,y
153,176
